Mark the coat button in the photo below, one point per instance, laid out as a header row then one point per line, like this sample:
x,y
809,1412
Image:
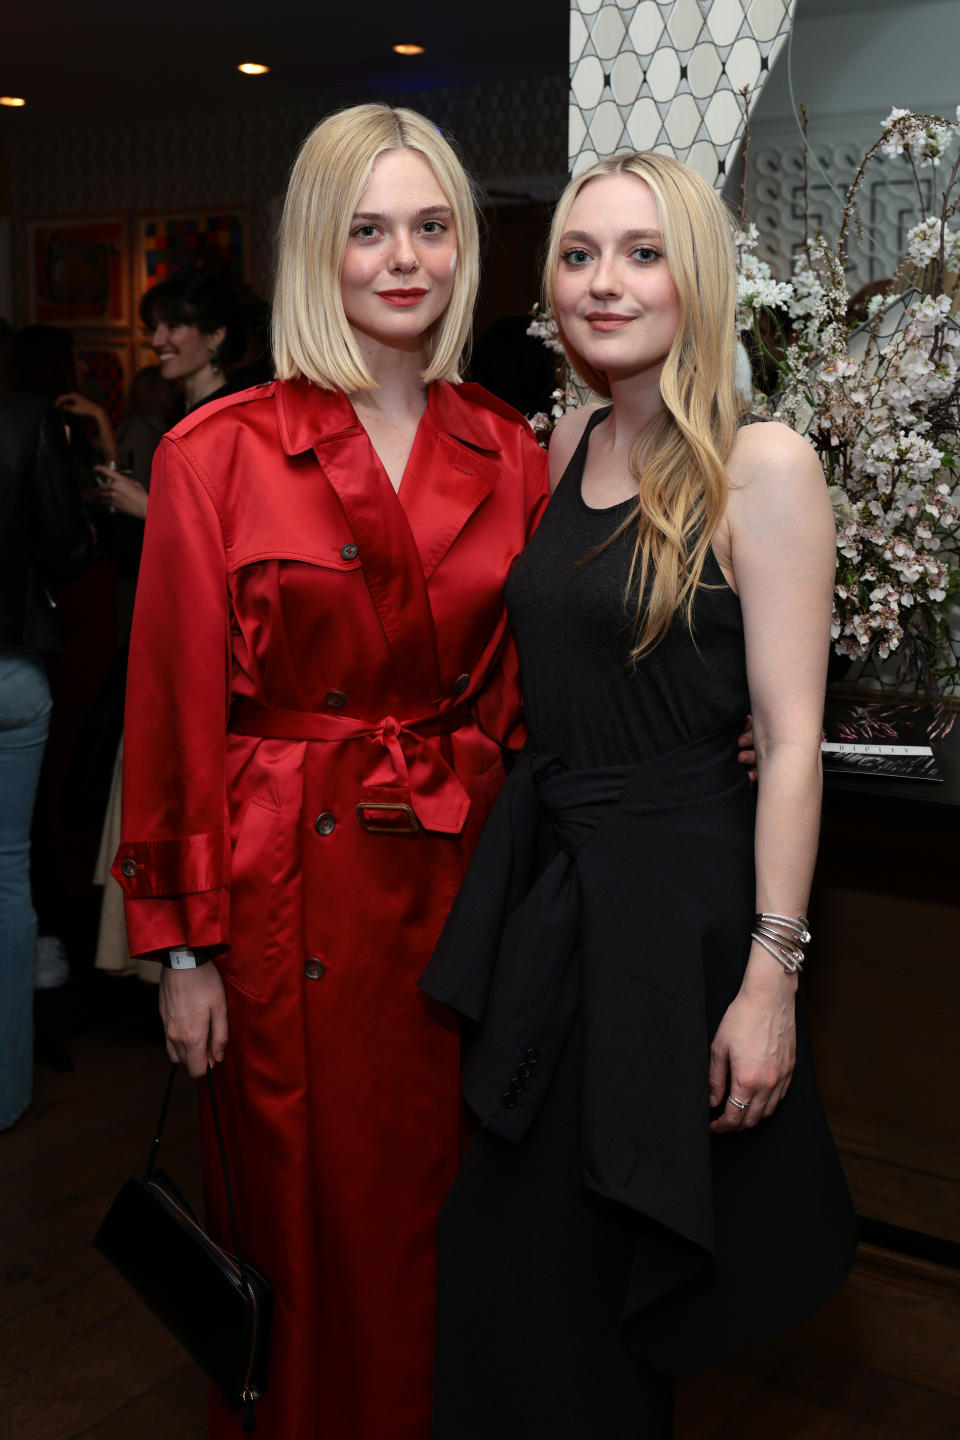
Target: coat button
x,y
509,1100
336,699
314,969
325,824
460,684
524,1071
516,1085
349,552
129,868
532,1057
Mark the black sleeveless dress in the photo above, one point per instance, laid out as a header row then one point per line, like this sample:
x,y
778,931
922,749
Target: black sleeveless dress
x,y
597,1234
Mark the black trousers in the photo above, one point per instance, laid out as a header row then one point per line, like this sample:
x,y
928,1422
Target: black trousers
x,y
532,1275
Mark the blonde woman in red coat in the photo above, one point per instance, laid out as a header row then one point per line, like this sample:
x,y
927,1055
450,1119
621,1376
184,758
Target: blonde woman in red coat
x,y
321,684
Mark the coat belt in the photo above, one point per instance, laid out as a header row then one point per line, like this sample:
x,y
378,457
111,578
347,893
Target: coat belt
x,y
411,770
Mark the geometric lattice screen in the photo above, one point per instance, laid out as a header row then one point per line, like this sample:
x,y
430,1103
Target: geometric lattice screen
x,y
665,75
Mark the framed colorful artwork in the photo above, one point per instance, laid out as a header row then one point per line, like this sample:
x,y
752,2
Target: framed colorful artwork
x,y
78,271
214,240
105,369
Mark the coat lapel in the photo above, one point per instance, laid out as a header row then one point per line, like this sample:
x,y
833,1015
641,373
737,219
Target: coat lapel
x,y
325,422
401,539
453,466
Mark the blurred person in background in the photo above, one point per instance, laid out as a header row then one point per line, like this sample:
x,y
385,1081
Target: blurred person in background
x,y
199,328
43,538
43,360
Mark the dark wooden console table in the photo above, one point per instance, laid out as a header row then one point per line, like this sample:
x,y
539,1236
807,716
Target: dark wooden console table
x,y
883,989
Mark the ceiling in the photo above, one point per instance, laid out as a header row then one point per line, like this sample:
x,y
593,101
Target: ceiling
x,y
76,62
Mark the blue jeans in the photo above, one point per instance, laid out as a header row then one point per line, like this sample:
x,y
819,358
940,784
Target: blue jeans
x,y
24,722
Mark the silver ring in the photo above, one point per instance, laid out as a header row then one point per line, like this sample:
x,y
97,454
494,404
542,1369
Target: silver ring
x,y
740,1104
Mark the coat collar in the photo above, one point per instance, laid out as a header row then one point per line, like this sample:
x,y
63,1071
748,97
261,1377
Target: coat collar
x,y
308,416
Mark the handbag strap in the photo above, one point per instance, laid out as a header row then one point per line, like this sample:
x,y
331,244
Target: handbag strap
x,y
226,1179
155,1147
155,1142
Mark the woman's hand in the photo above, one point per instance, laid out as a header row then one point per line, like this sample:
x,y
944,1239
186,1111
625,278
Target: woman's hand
x,y
193,1007
76,404
120,492
755,1047
747,755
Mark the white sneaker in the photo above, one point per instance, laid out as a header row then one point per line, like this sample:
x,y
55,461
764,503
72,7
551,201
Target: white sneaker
x,y
53,967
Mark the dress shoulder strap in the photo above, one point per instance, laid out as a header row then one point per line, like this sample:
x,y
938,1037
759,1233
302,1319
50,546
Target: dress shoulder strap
x,y
578,459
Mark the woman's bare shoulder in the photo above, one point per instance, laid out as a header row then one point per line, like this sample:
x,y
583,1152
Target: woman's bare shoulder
x,y
566,436
777,480
766,440
772,454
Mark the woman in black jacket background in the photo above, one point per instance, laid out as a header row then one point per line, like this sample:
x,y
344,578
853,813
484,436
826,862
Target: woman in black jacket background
x,y
44,539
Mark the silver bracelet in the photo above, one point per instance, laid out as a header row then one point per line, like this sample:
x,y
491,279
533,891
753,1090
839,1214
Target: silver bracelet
x,y
783,937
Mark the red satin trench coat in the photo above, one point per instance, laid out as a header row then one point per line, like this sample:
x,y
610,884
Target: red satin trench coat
x,y
321,679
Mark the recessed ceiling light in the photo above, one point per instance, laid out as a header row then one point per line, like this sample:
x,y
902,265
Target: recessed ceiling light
x,y
250,67
409,49
13,101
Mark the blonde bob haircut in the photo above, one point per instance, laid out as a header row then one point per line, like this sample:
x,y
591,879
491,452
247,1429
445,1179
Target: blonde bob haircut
x,y
679,458
311,334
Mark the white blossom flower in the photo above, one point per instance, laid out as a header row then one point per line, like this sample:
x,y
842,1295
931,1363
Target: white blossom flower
x,y
923,241
746,239
757,288
842,508
546,330
893,144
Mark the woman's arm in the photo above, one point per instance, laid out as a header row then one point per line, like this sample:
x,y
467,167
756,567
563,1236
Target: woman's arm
x,y
173,863
782,549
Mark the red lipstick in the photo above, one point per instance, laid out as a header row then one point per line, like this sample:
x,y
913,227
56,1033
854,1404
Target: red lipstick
x,y
608,320
402,297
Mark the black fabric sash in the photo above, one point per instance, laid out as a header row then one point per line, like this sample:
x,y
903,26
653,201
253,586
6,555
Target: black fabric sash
x,y
627,894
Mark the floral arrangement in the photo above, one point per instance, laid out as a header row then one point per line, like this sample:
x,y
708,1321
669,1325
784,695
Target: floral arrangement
x,y
543,327
878,395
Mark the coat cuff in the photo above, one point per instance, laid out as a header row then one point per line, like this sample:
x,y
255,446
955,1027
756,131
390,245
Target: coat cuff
x,y
148,868
199,921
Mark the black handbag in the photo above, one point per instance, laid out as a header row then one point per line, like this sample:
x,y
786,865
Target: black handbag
x,y
216,1305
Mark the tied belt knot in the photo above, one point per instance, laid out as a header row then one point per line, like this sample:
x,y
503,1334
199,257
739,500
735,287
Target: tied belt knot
x,y
411,778
575,800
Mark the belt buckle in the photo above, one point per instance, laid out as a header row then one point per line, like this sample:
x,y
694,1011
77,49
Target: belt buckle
x,y
396,806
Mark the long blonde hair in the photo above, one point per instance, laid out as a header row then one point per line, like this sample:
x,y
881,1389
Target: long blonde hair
x,y
311,334
679,459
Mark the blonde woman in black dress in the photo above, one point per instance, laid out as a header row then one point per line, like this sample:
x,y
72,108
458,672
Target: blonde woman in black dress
x,y
653,1186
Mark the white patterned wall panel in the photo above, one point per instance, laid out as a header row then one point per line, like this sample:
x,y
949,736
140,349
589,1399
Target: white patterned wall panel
x,y
888,199
665,75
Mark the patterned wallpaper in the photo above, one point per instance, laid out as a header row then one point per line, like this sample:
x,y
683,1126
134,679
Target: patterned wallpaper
x,y
665,75
888,198
511,134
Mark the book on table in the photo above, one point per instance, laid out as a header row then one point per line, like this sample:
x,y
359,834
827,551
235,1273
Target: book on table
x,y
877,739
